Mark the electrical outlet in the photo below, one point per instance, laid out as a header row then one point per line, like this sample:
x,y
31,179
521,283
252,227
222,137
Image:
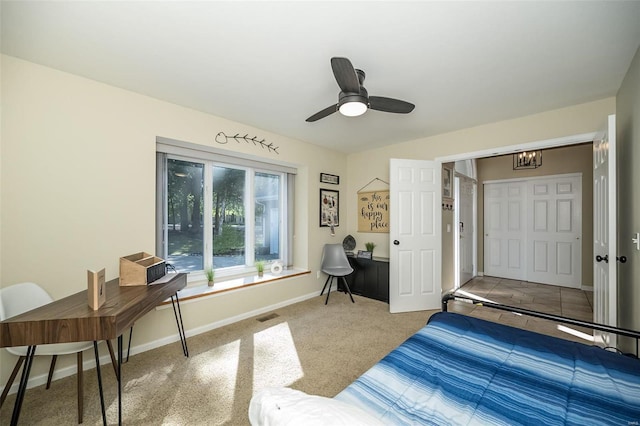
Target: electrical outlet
x,y
318,275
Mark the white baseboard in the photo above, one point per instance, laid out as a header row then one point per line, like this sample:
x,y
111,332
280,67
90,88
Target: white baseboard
x,y
586,288
106,359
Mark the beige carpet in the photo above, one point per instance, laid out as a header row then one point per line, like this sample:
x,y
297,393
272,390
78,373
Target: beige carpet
x,y
309,346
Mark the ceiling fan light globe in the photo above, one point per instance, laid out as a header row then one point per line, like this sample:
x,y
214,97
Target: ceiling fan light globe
x,y
353,109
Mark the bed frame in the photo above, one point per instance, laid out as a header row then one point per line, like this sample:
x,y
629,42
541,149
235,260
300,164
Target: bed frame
x,y
591,325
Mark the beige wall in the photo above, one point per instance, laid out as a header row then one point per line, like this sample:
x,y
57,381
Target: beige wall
x,y
78,190
628,161
569,159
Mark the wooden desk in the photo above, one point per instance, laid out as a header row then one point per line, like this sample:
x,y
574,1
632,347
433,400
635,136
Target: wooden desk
x,y
72,320
370,277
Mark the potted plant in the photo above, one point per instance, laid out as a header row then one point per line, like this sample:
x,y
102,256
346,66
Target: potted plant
x,y
370,246
260,267
210,274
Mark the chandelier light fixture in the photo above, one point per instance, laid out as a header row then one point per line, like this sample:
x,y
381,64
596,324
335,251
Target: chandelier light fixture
x,y
527,160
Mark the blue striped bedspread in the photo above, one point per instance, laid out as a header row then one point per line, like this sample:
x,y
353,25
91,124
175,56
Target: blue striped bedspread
x,y
460,370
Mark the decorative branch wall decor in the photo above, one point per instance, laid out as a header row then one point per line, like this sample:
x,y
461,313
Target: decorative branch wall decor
x,y
222,138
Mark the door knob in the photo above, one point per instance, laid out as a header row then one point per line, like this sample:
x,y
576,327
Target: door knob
x,y
600,258
622,259
396,242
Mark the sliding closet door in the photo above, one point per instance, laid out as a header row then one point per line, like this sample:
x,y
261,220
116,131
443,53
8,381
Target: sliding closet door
x,y
533,229
554,231
504,230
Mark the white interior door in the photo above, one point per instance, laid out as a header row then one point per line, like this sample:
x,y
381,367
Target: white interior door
x,y
504,226
456,233
604,229
465,229
554,231
415,226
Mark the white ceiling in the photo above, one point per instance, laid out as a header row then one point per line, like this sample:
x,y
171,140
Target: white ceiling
x,y
267,64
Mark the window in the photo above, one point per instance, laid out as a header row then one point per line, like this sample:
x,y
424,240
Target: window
x,y
185,242
221,212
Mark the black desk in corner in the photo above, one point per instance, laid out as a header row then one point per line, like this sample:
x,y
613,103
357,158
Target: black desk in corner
x,y
370,277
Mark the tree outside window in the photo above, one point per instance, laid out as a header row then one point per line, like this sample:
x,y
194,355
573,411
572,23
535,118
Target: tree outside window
x,y
184,209
216,215
228,217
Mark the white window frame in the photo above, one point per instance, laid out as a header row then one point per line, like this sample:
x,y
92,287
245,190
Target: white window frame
x,y
211,157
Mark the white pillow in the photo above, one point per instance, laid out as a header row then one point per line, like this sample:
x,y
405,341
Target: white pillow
x,y
285,406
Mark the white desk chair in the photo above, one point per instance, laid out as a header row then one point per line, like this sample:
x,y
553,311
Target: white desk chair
x,y
24,297
335,264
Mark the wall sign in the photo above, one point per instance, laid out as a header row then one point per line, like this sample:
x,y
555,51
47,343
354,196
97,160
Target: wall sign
x,y
373,211
327,178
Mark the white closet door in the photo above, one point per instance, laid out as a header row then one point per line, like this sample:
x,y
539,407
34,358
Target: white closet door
x,y
533,229
554,246
504,230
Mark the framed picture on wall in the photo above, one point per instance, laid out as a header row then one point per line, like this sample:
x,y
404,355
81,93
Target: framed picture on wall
x,y
329,207
327,178
447,177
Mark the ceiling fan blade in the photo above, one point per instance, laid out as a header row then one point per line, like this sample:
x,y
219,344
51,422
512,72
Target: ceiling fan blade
x,y
381,103
322,114
345,75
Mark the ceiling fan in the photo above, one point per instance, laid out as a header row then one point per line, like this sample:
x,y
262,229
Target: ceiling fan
x,y
353,99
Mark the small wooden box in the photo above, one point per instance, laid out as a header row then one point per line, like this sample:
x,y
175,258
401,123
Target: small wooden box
x,y
141,269
96,288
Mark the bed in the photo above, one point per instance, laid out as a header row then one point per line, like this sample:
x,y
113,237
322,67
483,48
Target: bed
x,y
462,370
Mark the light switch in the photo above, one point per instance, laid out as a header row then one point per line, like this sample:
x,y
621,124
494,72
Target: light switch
x,y
448,227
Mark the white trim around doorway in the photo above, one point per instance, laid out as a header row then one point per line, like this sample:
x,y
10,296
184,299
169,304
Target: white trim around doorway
x,y
510,149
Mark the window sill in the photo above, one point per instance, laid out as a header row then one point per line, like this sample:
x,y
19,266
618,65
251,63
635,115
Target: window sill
x,y
200,291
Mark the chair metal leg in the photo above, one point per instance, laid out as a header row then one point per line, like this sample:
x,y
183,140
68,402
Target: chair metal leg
x,y
12,377
348,289
329,292
325,285
80,388
51,368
